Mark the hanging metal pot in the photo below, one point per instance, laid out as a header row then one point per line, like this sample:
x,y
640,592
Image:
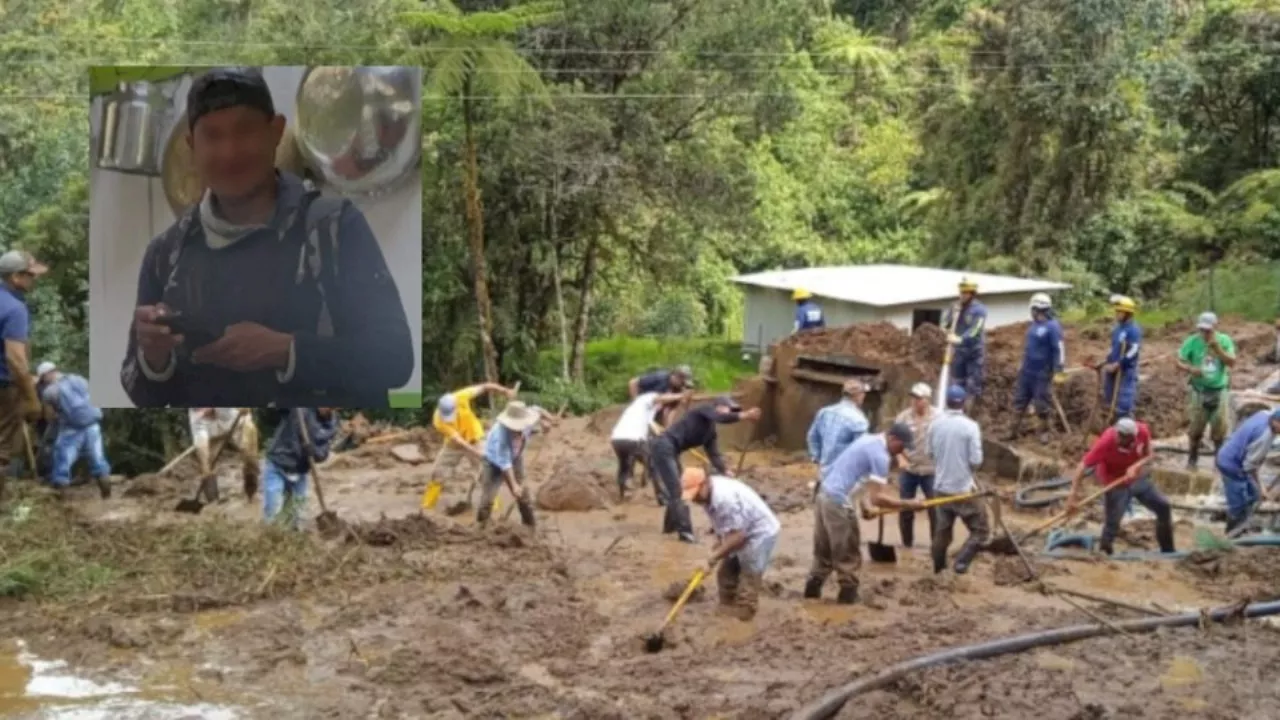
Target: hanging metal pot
x,y
109,120
140,111
182,184
359,128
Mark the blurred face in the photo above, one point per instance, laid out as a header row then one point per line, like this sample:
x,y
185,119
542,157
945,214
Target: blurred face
x,y
678,381
704,494
1124,440
234,150
1121,316
324,412
1207,334
966,296
1275,427
23,281
894,445
920,404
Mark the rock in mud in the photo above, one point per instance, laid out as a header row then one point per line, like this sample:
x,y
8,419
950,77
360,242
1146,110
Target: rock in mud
x,y
408,453
569,493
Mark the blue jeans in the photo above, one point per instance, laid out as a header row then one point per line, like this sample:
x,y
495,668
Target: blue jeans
x,y
756,556
967,368
72,444
285,492
908,484
1240,493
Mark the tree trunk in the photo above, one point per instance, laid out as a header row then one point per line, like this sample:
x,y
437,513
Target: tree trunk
x,y
475,242
555,276
579,362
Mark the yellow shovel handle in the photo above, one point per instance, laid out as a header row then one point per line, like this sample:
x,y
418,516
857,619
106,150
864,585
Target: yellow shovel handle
x,y
932,503
684,596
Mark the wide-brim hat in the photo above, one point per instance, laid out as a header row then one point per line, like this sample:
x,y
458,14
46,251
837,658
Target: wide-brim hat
x,y
518,417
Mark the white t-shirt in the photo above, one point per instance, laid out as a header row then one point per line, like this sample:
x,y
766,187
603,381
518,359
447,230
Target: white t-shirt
x,y
735,506
634,423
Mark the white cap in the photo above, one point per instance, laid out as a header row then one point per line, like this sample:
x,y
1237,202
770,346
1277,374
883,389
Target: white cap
x,y
45,367
921,390
1127,426
1041,301
1207,321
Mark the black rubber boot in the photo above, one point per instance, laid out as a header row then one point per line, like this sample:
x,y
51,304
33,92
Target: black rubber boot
x,y
526,513
104,488
1164,535
813,588
1106,548
1193,451
907,529
847,596
961,567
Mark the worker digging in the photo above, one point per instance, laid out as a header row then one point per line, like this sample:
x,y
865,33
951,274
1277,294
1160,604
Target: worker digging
x,y
456,421
1120,460
632,433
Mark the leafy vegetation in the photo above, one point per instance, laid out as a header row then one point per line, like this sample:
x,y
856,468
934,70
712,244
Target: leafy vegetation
x,y
601,169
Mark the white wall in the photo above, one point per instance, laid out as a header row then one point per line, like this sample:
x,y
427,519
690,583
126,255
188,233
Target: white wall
x,y
127,211
771,313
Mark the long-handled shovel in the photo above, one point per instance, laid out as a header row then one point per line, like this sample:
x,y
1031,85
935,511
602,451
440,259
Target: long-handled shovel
x,y
655,642
207,491
1007,545
878,550
944,375
327,522
935,502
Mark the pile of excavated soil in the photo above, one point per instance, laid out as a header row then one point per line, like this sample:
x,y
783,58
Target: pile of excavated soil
x,y
570,493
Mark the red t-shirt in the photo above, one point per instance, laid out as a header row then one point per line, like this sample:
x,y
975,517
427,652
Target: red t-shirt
x,y
1110,461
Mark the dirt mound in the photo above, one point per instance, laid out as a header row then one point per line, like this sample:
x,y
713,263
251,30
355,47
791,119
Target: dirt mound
x,y
412,530
570,493
1242,572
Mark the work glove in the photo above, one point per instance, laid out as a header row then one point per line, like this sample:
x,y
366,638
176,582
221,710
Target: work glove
x,y
1059,378
953,338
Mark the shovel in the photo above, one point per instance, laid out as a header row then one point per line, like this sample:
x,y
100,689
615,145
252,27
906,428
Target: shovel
x,y
945,373
935,502
1007,545
327,522
880,552
655,642
207,492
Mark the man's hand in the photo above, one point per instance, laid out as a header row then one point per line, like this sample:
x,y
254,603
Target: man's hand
x,y
1194,370
246,347
916,505
1059,378
510,392
1073,504
155,341
728,472
1110,368
752,414
953,338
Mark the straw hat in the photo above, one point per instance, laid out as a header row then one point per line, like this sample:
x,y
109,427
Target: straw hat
x,y
518,417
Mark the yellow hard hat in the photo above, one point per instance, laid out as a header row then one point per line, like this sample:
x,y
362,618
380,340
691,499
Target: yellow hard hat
x,y
967,285
1124,304
801,295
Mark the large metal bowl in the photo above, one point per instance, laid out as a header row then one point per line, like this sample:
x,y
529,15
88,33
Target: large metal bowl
x,y
183,186
359,128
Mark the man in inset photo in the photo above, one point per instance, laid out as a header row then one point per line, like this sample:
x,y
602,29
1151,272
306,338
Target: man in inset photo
x,y
264,293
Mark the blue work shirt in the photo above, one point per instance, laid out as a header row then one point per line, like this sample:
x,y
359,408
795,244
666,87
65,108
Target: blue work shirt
x,y
809,315
834,428
69,397
499,446
866,460
15,323
286,450
1246,449
971,325
1044,349
1126,341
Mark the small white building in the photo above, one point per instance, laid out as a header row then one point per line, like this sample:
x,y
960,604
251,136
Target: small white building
x,y
904,295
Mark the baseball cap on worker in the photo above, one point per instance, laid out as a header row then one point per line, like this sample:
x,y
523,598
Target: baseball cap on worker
x,y
17,261
1207,321
447,406
687,373
1127,427
1275,415
956,395
223,88
45,368
902,433
691,481
921,390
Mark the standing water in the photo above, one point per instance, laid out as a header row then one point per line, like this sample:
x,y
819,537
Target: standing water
x,y
32,688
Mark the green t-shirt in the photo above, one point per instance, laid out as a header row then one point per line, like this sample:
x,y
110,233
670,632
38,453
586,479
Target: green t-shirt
x,y
1213,373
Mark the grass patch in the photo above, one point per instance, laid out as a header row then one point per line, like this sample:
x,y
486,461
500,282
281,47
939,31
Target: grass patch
x,y
404,399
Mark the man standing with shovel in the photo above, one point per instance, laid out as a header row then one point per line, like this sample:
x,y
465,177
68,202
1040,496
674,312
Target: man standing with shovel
x,y
504,448
1120,371
1120,460
1207,357
289,460
955,444
968,338
837,544
1043,361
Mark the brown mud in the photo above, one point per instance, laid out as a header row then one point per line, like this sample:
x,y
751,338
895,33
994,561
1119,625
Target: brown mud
x,y
426,616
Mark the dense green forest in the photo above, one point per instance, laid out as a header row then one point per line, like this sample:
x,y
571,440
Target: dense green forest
x,y
597,169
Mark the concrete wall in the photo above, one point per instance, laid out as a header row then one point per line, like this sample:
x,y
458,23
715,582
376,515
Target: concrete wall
x,y
769,314
127,211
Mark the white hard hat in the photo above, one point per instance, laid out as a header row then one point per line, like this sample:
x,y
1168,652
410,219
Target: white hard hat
x,y
921,390
1041,301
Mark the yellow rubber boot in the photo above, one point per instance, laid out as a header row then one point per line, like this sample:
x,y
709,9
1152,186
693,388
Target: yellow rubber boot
x,y
431,495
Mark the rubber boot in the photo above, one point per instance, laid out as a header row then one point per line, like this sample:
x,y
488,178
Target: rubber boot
x,y
847,596
813,588
1164,536
526,513
907,529
688,537
961,567
1193,451
104,487
249,479
1015,432
1045,430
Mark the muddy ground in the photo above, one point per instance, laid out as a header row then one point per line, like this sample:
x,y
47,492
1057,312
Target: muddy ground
x,y
413,616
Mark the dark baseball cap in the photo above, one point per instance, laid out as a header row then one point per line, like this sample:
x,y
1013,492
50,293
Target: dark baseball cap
x,y
223,88
902,432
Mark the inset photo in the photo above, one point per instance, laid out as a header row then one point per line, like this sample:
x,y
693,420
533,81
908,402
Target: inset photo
x,y
255,237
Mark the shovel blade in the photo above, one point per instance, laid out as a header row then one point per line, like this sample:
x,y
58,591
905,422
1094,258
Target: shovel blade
x,y
458,508
1003,545
190,506
431,495
654,643
882,553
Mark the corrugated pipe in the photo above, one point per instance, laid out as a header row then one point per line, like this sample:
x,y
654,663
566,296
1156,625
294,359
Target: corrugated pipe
x,y
830,704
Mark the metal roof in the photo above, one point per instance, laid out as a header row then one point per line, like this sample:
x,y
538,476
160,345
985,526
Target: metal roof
x,y
891,285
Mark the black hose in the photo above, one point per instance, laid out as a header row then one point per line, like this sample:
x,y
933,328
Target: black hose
x,y
1021,500
828,705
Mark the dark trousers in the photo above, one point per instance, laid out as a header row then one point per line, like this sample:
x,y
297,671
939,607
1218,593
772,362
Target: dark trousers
x,y
664,460
908,484
628,452
1144,491
492,482
1034,387
969,512
10,429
